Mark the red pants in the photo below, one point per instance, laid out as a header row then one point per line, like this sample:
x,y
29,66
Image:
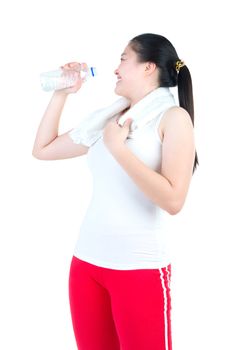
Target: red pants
x,y
120,309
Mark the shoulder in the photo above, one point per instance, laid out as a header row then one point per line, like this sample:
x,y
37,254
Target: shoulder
x,y
175,118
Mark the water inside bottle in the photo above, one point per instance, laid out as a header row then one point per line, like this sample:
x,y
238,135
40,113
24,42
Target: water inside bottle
x,y
64,78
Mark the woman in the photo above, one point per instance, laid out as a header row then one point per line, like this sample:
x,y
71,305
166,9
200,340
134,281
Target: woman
x,y
119,281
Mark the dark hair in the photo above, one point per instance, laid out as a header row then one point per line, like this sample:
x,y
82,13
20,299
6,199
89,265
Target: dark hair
x,y
159,50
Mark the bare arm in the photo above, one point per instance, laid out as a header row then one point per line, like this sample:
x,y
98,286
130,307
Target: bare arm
x,y
48,144
168,189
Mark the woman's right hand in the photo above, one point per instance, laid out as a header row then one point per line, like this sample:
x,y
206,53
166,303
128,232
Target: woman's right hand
x,y
76,67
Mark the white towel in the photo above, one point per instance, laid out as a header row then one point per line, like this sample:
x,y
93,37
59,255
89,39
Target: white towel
x,y
90,129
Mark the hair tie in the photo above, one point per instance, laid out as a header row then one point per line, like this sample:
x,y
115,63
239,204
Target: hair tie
x,y
179,64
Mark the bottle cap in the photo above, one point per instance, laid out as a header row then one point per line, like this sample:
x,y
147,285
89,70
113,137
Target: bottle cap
x,y
93,71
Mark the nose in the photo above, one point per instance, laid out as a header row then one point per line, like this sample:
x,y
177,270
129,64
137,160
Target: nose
x,y
116,71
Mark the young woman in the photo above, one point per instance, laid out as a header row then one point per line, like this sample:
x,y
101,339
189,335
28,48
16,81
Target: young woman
x,y
119,281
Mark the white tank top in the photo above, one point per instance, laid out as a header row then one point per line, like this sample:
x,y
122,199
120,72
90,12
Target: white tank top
x,y
122,228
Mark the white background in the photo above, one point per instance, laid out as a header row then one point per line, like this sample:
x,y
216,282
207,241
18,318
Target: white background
x,y
43,202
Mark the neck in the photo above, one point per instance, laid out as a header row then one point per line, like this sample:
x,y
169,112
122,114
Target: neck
x,y
141,94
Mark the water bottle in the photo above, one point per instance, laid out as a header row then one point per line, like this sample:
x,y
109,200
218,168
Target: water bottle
x,y
64,78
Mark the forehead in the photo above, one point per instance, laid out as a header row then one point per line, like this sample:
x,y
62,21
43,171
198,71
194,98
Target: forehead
x,y
127,51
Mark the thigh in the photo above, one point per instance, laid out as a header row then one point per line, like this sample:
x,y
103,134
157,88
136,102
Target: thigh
x,y
90,306
141,305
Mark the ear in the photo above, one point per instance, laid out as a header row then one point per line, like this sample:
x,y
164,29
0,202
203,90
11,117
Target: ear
x,y
150,67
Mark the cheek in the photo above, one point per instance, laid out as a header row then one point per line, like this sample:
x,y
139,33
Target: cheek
x,y
130,73
133,77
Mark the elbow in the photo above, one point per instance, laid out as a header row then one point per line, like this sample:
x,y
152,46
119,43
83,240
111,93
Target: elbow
x,y
173,211
175,207
36,154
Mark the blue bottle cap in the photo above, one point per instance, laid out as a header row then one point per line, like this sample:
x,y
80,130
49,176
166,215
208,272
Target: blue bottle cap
x,y
93,71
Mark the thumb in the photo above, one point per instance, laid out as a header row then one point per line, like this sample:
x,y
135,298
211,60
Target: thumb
x,y
127,122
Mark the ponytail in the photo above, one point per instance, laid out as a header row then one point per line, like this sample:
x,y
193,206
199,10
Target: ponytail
x,y
185,97
173,72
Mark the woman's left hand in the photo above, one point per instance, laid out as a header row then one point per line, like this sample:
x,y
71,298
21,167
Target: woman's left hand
x,y
114,135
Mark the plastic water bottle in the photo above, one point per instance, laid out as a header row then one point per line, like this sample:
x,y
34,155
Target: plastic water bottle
x,y
64,78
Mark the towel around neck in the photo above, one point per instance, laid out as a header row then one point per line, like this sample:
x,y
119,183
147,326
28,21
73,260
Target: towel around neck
x,y
90,129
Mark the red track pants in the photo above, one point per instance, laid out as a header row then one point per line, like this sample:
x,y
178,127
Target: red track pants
x,y
120,309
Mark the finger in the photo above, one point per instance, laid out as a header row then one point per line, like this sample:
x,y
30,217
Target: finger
x,y
127,122
71,65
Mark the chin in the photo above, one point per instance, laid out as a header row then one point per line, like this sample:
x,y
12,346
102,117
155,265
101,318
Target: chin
x,y
119,92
